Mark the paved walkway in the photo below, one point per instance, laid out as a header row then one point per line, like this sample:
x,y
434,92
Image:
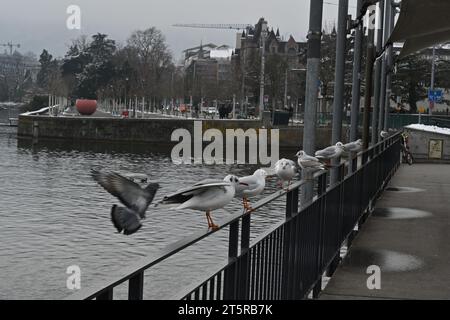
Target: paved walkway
x,y
412,248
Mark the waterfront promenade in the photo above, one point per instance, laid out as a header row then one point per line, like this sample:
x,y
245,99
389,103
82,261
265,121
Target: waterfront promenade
x,y
412,248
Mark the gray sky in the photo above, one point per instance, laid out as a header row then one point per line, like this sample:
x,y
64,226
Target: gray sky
x,y
42,24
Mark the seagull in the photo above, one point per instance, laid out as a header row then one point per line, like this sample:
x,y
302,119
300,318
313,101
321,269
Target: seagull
x,y
308,162
207,195
285,170
251,186
355,146
332,152
131,195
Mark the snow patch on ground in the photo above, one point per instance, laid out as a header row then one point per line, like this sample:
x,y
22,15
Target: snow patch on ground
x,y
426,128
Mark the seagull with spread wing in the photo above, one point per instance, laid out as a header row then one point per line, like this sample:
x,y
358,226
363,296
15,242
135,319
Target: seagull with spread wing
x,y
135,199
206,196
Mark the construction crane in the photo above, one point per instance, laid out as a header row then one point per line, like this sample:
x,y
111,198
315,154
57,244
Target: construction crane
x,y
236,26
10,45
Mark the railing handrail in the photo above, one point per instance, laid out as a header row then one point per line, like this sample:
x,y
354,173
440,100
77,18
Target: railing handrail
x,y
129,272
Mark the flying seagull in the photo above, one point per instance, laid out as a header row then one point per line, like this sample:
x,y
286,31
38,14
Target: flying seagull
x,y
285,170
307,162
251,186
355,146
206,196
332,152
135,199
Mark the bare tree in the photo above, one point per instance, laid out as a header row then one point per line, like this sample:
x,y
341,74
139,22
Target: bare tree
x,y
151,60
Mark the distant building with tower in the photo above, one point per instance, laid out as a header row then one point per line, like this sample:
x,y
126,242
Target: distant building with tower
x,y
207,68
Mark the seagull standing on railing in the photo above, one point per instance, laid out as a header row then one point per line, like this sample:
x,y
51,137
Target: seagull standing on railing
x,y
355,146
131,195
307,162
251,186
330,153
285,170
206,196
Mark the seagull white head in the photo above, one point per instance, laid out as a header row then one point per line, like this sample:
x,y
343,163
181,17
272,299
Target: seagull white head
x,y
300,154
232,179
340,145
261,173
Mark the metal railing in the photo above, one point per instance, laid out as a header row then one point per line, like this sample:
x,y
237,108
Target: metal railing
x,y
289,260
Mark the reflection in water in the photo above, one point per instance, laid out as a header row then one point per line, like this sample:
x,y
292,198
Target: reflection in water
x,y
53,215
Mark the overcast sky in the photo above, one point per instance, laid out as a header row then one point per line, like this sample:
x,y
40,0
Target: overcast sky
x,y
42,24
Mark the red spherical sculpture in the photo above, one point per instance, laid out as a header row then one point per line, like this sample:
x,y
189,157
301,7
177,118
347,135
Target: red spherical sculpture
x,y
86,107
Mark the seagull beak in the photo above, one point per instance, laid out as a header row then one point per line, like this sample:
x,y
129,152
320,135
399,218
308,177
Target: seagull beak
x,y
243,184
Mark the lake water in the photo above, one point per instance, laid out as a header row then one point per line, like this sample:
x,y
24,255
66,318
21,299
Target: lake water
x,y
53,215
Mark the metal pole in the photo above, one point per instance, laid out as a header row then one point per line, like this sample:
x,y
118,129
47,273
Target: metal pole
x,y
390,59
356,90
234,106
376,104
339,81
433,70
368,92
263,71
312,79
285,88
384,62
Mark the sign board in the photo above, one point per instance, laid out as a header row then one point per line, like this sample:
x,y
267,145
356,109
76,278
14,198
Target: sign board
x,y
435,96
435,149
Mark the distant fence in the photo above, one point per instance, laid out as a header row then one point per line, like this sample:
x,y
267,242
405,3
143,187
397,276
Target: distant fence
x,y
289,260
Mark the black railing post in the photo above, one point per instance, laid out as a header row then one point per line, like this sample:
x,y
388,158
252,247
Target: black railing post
x,y
106,295
337,258
244,272
321,190
288,249
230,272
295,236
136,287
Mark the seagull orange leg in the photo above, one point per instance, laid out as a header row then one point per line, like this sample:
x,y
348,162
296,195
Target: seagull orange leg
x,y
247,206
211,224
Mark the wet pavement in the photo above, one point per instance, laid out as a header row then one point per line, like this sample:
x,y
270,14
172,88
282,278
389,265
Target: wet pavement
x,y
407,237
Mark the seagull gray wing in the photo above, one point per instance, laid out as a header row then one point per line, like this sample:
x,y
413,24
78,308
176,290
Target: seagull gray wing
x,y
128,192
185,194
326,153
353,146
309,158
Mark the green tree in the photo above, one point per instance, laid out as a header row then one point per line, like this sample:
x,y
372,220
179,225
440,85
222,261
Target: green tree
x,y
48,66
411,81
